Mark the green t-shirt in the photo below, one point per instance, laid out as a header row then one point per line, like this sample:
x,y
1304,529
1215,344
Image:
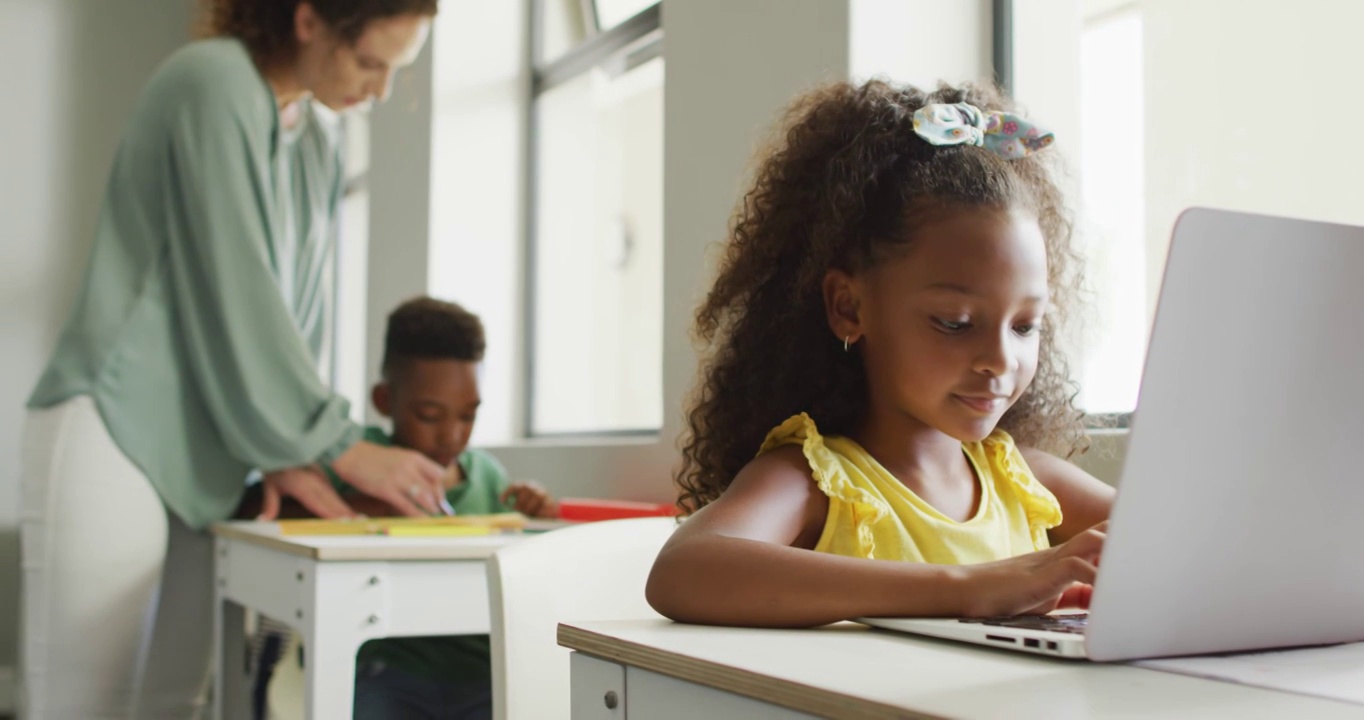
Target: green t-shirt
x,y
467,657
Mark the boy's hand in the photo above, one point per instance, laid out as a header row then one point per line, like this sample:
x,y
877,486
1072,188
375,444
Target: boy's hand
x,y
306,485
532,499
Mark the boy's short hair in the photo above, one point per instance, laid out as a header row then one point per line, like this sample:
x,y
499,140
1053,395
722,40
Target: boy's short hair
x,y
425,328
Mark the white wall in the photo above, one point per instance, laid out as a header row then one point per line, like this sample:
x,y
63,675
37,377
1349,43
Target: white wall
x,y
1106,455
1244,116
399,202
1255,117
75,68
1220,125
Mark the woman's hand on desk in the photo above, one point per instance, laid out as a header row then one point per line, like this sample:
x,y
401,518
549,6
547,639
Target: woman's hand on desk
x,y
306,485
405,479
1038,582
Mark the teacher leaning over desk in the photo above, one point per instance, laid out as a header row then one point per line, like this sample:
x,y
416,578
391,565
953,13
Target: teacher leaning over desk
x,y
190,359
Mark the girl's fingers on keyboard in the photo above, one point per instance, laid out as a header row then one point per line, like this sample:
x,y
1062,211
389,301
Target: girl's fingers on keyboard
x,y
1069,584
1088,545
1076,596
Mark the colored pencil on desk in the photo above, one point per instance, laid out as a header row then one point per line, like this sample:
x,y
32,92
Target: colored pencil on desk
x,y
378,526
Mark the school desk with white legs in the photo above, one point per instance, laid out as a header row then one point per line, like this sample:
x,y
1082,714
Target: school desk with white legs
x,y
338,592
658,670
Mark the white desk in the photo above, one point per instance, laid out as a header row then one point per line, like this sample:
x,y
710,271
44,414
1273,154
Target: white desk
x,y
338,592
850,671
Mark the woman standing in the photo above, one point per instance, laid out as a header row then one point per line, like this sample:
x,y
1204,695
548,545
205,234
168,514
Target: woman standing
x,y
190,358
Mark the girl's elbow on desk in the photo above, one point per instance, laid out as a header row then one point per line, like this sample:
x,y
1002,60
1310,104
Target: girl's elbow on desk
x,y
669,592
688,585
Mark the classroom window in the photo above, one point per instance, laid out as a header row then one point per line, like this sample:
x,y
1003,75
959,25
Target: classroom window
x,y
565,25
1112,199
562,25
595,250
610,13
1080,68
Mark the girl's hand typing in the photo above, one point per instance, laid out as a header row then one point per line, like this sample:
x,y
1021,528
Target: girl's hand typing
x,y
406,480
1036,583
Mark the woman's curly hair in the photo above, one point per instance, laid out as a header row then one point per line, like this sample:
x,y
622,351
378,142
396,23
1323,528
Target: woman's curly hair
x,y
845,186
266,27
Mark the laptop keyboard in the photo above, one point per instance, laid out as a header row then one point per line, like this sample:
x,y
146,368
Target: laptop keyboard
x,y
1071,623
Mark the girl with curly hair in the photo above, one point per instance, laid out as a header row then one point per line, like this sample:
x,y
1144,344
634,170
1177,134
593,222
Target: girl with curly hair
x,y
883,335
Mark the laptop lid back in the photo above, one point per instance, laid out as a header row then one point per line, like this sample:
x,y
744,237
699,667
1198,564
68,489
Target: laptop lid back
x,y
1239,522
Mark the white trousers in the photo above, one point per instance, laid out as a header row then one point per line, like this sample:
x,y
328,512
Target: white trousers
x,y
117,592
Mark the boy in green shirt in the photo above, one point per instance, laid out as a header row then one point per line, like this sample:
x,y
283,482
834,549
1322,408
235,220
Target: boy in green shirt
x,y
430,391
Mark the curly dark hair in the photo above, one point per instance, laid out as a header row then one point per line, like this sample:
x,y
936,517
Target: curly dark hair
x,y
844,186
425,328
266,27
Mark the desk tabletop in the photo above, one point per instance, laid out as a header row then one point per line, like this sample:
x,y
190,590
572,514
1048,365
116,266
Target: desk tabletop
x,y
848,670
369,547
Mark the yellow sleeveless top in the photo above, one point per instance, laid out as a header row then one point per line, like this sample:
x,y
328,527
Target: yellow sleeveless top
x,y
873,515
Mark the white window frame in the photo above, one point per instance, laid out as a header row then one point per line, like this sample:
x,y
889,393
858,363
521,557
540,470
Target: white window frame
x,y
631,43
1005,56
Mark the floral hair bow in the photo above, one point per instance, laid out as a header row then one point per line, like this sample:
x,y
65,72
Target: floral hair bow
x,y
1004,134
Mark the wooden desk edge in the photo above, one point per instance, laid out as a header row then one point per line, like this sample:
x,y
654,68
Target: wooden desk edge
x,y
787,694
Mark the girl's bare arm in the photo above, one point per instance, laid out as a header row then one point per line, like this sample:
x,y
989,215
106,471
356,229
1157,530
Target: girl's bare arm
x,y
1085,500
746,559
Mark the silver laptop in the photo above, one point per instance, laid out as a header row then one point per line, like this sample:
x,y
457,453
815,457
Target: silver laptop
x,y
1239,522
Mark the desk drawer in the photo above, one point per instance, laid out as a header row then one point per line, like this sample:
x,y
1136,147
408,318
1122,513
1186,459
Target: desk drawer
x,y
598,688
655,696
